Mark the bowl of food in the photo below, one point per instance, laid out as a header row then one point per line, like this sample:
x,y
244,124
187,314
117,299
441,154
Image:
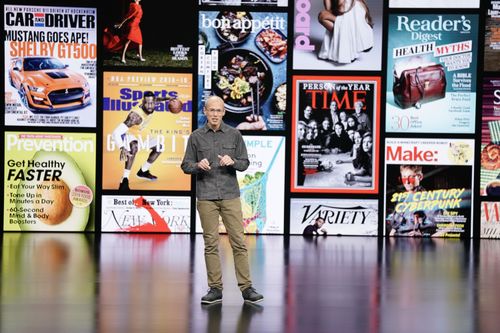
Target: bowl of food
x,y
241,73
235,26
272,43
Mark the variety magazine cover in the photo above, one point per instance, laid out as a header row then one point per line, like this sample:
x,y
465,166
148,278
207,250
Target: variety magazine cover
x,y
492,37
156,39
428,187
261,187
343,39
341,216
431,73
50,66
49,181
433,4
242,58
166,214
335,134
490,219
490,138
165,132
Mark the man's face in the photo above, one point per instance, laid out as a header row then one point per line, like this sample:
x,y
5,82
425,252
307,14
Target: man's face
x,y
148,104
333,106
320,222
367,144
357,107
308,112
214,110
410,179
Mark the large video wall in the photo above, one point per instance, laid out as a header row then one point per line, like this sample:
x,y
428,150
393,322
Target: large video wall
x,y
381,117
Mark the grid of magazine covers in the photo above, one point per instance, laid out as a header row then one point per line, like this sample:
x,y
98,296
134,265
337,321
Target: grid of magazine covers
x,y
360,117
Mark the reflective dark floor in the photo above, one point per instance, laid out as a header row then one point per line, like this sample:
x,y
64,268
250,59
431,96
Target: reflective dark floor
x,y
153,283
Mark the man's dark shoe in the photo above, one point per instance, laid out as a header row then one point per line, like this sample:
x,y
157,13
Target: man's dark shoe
x,y
214,295
124,185
146,175
251,295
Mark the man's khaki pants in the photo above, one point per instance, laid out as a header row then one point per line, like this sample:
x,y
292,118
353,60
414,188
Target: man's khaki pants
x,y
232,217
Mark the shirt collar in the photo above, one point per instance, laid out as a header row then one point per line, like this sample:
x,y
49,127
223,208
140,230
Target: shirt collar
x,y
223,127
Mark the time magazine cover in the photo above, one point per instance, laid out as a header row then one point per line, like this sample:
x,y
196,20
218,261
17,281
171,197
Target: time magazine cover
x,y
335,134
242,58
50,57
431,73
429,187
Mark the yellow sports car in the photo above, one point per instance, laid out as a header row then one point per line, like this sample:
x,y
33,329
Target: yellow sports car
x,y
46,84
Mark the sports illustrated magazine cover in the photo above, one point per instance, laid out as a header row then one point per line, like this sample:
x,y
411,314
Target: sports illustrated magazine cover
x,y
144,34
50,66
433,4
490,219
431,73
335,134
165,214
492,37
490,138
428,187
339,217
261,186
242,58
329,35
49,181
144,140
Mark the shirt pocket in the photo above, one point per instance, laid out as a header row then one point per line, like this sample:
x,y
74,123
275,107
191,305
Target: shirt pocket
x,y
229,149
203,152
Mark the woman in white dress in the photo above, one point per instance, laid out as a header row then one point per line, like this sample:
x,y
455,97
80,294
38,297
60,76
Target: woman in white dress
x,y
349,30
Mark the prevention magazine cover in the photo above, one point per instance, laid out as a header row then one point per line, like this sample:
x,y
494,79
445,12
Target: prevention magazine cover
x,y
429,187
50,57
49,181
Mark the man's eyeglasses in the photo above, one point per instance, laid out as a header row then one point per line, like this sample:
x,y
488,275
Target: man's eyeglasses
x,y
408,179
215,110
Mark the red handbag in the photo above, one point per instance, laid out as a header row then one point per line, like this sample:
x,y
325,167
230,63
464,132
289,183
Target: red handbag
x,y
419,85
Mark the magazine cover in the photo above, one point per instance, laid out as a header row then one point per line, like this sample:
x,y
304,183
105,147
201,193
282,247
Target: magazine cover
x,y
50,66
433,4
261,187
333,217
49,181
242,58
335,134
428,187
490,138
431,73
148,151
143,34
492,37
146,214
490,219
329,35
269,3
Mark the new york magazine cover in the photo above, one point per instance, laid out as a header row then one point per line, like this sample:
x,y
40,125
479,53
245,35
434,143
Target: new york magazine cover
x,y
428,187
242,58
344,37
431,73
164,133
50,66
490,138
335,134
261,186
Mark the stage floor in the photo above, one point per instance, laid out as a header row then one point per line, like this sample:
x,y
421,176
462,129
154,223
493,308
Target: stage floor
x,y
153,283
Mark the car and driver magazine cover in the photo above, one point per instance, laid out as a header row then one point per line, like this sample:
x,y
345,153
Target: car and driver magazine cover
x,y
242,57
428,187
50,66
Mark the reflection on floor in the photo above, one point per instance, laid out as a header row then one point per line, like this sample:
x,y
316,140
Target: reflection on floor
x,y
153,283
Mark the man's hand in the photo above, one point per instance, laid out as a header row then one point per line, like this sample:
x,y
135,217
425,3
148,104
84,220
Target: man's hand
x,y
225,160
204,164
252,124
124,154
